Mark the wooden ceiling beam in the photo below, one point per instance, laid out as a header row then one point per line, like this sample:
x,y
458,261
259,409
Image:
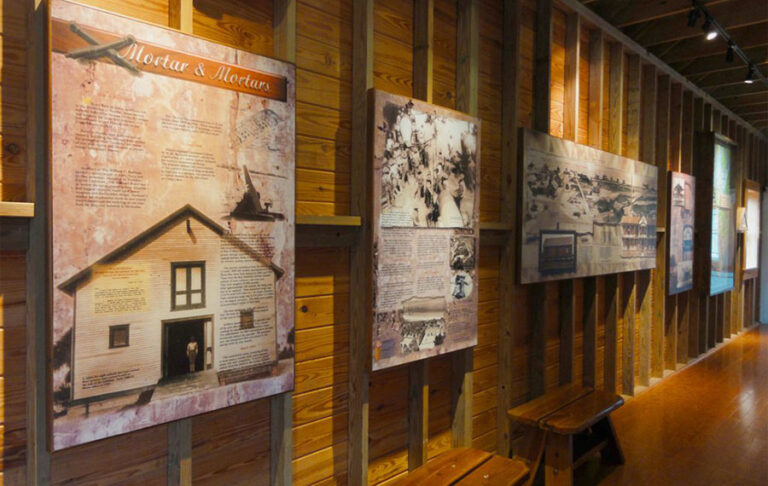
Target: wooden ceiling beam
x,y
627,12
753,108
730,15
746,37
590,17
717,62
738,90
746,100
726,78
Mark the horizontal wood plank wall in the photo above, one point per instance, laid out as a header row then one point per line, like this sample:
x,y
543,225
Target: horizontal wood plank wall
x,y
232,446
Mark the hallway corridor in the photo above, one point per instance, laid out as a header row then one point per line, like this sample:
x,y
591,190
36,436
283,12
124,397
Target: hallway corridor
x,y
706,425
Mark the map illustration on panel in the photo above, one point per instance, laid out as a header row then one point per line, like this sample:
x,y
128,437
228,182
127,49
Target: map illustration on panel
x,y
583,211
172,229
681,231
426,164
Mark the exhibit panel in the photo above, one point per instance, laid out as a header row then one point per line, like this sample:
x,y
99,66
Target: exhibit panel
x,y
584,212
716,203
752,206
682,197
172,225
426,192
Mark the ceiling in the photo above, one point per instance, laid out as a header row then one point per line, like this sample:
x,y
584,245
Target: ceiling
x,y
661,26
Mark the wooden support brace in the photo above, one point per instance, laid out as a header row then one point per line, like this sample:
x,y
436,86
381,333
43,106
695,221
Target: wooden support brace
x,y
180,453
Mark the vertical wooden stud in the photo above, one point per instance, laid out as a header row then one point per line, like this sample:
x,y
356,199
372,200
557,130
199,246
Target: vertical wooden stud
x,y
510,294
360,283
281,406
648,155
467,78
180,15
180,453
684,301
632,150
418,371
38,467
658,280
596,70
567,309
590,316
673,163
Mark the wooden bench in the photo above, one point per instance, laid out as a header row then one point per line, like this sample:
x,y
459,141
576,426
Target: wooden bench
x,y
467,467
566,427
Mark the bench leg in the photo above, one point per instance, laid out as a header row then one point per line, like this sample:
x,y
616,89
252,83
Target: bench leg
x,y
612,452
558,464
531,450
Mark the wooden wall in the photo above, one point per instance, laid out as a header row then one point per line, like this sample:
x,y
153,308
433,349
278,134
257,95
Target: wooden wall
x,y
620,332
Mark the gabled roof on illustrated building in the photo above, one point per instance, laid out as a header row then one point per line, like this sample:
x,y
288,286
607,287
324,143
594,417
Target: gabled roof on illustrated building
x,y
157,230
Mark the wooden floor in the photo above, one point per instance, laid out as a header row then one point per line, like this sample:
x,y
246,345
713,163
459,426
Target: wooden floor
x,y
706,425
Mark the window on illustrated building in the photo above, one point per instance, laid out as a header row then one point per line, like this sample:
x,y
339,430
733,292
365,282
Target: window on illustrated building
x,y
118,336
187,285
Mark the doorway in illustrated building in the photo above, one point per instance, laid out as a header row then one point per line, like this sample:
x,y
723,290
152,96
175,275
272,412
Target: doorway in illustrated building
x,y
187,346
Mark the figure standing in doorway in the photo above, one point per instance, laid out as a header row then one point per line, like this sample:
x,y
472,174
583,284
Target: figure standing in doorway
x,y
192,353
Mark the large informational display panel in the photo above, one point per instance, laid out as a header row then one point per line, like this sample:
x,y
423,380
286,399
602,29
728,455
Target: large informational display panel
x,y
752,233
172,225
682,197
426,181
583,211
716,205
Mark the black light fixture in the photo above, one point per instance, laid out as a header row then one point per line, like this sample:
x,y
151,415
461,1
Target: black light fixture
x,y
693,17
750,75
707,27
729,54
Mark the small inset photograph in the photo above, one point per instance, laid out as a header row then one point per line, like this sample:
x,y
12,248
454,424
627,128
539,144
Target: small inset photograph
x,y
462,252
461,285
557,252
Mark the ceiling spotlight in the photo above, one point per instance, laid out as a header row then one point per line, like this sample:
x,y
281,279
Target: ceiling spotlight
x,y
693,17
750,75
729,54
707,27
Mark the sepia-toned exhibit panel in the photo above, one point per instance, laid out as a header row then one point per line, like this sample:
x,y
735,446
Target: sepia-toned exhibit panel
x,y
681,231
583,211
752,232
426,165
172,164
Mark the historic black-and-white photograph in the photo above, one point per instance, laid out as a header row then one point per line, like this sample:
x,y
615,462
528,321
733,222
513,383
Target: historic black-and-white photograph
x,y
428,171
463,252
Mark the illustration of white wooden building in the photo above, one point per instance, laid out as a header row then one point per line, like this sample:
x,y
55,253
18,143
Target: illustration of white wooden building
x,y
183,280
637,238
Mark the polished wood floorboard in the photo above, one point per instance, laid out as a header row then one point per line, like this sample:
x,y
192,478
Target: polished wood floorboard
x,y
705,425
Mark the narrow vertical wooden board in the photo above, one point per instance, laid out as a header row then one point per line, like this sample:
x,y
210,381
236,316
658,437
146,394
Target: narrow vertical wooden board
x,y
712,322
632,150
589,340
704,322
281,406
467,73
38,467
706,123
616,99
670,331
684,313
698,323
571,95
628,294
423,51
180,14
360,283
180,453
510,98
538,342
647,151
542,77
596,70
418,371
719,335
567,311
611,309
673,163
717,121
418,413
284,24
659,322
